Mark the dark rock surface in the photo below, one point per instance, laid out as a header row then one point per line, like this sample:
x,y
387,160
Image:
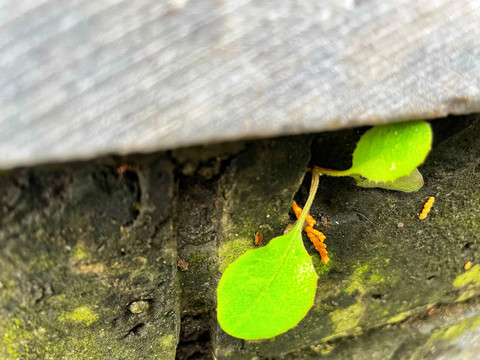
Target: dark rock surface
x,y
88,259
119,258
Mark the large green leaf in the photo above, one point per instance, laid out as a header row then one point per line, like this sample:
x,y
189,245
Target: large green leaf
x,y
388,152
267,291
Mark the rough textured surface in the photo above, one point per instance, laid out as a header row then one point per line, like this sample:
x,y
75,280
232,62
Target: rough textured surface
x,y
88,261
84,78
109,258
441,333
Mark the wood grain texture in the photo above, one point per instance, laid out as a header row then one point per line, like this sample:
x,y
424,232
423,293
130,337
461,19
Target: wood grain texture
x,y
83,78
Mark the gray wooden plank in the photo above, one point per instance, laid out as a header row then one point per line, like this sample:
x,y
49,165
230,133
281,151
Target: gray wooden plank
x,y
83,78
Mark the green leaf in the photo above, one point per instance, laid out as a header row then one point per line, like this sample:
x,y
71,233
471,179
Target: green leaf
x,y
267,291
388,152
409,183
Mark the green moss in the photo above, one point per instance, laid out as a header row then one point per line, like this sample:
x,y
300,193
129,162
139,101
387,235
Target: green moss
x,y
79,254
231,250
80,314
57,299
360,280
321,268
399,317
198,257
346,319
45,261
467,295
15,338
376,279
355,285
471,276
168,342
455,331
78,348
323,349
362,269
98,344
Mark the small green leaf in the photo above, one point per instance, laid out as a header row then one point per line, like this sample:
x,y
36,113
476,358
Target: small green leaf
x,y
410,183
388,152
267,291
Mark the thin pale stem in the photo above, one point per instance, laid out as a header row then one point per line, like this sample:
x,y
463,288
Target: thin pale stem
x,y
311,196
331,172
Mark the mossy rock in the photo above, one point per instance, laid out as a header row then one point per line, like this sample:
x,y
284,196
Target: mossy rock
x,y
105,259
80,246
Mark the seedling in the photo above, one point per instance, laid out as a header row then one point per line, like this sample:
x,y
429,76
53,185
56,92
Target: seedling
x,y
268,290
387,156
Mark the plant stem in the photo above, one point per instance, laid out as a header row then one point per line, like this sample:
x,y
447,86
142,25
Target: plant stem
x,y
311,196
331,172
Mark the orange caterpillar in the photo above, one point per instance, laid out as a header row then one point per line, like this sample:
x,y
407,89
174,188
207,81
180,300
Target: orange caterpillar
x,y
426,208
315,236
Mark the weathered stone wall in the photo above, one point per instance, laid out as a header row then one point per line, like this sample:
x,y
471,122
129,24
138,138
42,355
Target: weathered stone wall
x,y
119,258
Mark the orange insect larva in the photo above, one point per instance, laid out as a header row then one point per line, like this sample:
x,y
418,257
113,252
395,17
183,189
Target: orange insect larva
x,y
426,208
468,265
298,211
315,236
